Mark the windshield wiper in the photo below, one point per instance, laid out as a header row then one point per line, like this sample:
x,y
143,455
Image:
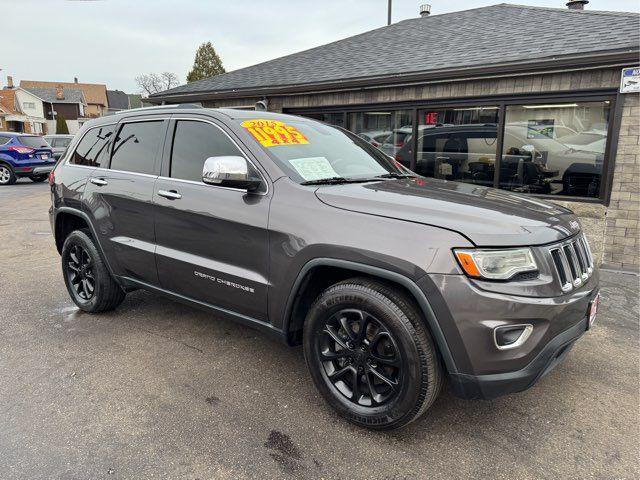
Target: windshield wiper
x,y
335,181
395,175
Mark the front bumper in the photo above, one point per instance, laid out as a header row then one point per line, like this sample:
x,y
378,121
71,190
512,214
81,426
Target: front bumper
x,y
469,315
496,385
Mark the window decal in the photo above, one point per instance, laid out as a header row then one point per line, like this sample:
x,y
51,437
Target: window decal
x,y
273,133
313,168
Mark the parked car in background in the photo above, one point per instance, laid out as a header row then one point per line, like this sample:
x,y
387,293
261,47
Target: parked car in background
x,y
375,138
541,165
592,141
400,137
59,143
24,155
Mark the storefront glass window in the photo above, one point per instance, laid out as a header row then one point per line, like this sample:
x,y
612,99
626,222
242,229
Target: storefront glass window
x,y
555,149
388,130
456,144
336,119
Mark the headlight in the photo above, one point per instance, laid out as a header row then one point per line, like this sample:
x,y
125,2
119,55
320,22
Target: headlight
x,y
496,264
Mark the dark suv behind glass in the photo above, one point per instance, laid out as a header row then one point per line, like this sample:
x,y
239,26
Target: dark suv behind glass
x,y
392,282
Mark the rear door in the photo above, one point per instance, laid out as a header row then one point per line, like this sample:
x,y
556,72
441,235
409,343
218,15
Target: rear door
x,y
212,241
119,198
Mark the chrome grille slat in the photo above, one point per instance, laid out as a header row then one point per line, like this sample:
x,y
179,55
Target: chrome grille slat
x,y
582,262
573,262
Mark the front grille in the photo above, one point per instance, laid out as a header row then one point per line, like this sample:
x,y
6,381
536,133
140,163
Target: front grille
x,y
573,262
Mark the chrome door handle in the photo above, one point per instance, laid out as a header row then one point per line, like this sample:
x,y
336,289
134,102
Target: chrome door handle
x,y
98,181
170,194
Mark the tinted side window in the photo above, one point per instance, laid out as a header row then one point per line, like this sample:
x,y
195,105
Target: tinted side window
x,y
136,146
93,149
4,140
193,143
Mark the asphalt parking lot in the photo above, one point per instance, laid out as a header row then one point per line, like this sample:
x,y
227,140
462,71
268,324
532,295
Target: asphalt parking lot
x,y
157,389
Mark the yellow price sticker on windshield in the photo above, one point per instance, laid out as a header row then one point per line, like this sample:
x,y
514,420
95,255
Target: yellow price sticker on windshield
x,y
273,133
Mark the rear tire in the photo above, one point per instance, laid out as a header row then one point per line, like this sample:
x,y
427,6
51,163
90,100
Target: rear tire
x,y
88,281
393,363
38,179
7,177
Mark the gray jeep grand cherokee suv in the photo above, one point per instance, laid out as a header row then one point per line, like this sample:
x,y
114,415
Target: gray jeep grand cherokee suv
x,y
392,282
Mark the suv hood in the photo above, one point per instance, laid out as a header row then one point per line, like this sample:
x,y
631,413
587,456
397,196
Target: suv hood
x,y
486,216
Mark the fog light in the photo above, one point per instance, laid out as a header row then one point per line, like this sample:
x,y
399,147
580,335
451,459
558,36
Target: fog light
x,y
511,336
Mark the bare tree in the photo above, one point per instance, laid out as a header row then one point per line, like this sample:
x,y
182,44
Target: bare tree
x,y
151,83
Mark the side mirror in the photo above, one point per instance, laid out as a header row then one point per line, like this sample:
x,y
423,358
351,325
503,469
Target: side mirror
x,y
230,172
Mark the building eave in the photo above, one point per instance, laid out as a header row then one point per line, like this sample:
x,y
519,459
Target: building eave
x,y
602,59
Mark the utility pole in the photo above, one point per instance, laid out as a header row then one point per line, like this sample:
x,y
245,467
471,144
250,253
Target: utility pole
x,y
389,12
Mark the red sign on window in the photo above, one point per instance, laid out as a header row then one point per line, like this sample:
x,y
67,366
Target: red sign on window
x,y
431,118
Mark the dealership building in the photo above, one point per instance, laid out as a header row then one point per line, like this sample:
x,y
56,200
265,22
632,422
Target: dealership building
x,y
540,101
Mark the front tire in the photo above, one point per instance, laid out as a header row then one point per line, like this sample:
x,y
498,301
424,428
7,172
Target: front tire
x,y
370,355
7,177
87,278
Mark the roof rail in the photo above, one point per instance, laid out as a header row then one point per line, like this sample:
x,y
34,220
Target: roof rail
x,y
160,107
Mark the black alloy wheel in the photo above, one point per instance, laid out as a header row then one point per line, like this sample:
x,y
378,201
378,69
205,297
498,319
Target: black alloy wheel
x,y
80,272
87,278
370,354
360,357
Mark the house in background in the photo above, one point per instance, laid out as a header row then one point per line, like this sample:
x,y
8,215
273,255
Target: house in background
x,y
3,115
95,94
69,103
22,111
118,101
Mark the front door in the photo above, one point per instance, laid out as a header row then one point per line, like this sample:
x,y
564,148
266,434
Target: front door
x,y
119,199
212,242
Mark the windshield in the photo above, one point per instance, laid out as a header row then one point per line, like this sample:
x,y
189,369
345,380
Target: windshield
x,y
33,141
309,151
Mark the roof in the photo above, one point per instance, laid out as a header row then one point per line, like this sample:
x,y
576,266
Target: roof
x,y
48,94
8,101
118,99
94,93
501,35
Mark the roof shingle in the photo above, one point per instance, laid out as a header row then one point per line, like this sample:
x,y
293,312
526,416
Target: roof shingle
x,y
48,94
118,99
94,93
478,37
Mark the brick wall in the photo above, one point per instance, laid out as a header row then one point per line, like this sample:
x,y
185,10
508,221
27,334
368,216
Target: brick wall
x,y
621,245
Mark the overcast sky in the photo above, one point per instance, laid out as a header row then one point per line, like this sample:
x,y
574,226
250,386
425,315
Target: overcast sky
x,y
113,41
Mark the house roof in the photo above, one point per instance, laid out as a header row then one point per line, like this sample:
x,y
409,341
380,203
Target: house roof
x,y
94,93
118,99
48,94
501,36
8,101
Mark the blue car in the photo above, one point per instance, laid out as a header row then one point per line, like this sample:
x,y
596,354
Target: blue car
x,y
24,155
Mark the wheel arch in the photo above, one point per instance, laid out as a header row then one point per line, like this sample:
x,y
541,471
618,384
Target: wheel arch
x,y
67,221
6,161
73,219
318,274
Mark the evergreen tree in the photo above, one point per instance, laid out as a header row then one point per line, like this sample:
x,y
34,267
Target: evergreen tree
x,y
207,63
61,125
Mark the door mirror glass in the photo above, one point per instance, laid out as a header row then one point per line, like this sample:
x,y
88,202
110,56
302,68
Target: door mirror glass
x,y
231,172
